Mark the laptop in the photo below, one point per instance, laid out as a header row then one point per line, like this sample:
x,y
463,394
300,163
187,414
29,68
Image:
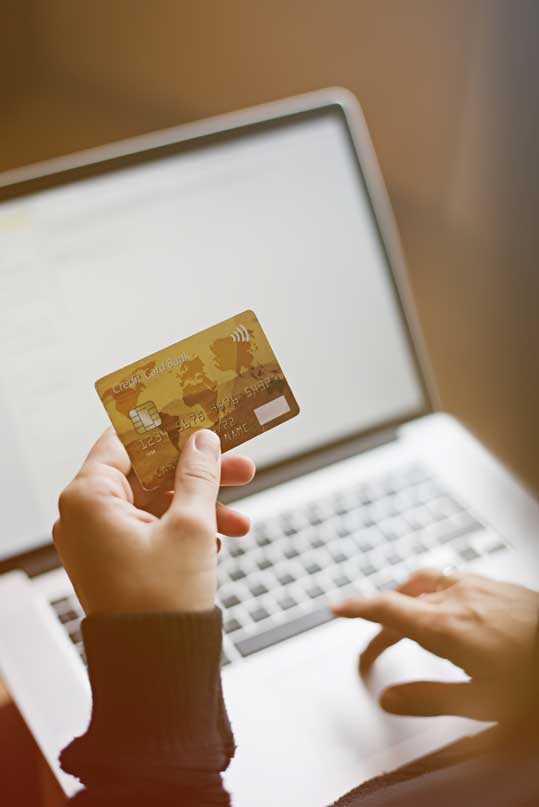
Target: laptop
x,y
115,252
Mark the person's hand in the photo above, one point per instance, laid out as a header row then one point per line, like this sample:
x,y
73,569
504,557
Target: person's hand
x,y
127,550
485,627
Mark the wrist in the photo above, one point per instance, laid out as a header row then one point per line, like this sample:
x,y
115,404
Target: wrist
x,y
193,593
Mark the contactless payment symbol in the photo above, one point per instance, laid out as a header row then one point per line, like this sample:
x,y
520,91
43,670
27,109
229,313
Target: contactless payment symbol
x,y
240,334
145,417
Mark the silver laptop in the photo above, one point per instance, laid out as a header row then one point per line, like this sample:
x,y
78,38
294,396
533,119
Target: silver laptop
x,y
111,254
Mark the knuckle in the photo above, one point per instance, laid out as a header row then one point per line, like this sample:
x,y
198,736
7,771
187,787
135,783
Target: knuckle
x,y
75,497
426,573
186,521
385,603
389,599
56,531
201,472
441,623
464,590
65,501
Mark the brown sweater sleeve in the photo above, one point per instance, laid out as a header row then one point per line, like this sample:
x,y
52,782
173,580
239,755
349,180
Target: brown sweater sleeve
x,y
159,733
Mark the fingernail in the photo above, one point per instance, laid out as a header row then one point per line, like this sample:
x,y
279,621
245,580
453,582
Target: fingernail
x,y
208,443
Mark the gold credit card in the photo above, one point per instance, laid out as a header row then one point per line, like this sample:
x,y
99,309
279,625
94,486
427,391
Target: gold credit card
x,y
225,378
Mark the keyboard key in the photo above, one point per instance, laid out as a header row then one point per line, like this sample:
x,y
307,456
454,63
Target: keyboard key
x,y
312,567
341,508
343,530
231,625
285,578
465,519
315,517
416,474
258,614
338,556
261,536
75,635
402,501
375,536
426,492
383,508
68,616
287,630
498,547
390,484
363,495
447,530
390,534
368,522
288,529
315,591
64,603
387,585
224,659
394,528
444,506
468,554
341,580
418,517
393,558
316,541
375,489
231,601
287,602
264,564
236,551
236,574
419,548
291,552
367,569
258,589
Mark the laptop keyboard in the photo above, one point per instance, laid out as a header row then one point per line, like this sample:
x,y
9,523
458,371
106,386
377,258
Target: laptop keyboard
x,y
276,582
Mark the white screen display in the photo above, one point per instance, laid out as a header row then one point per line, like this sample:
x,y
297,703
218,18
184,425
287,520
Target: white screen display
x,y
100,272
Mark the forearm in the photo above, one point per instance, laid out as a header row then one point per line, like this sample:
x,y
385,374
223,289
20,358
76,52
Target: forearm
x,y
159,733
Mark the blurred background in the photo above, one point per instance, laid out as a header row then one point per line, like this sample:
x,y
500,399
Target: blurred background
x,y
449,90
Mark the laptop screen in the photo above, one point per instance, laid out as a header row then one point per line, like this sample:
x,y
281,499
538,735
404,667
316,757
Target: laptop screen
x,y
100,271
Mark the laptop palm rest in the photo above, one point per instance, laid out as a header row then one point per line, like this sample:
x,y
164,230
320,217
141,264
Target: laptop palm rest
x,y
319,729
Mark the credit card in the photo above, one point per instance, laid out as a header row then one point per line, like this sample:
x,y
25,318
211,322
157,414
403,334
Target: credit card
x,y
225,378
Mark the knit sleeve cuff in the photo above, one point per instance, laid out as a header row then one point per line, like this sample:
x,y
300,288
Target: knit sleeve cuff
x,y
157,698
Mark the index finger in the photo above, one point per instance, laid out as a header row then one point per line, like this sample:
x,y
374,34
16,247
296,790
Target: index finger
x,y
423,581
394,610
110,451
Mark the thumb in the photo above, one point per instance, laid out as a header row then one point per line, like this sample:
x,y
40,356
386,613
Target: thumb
x,y
428,698
198,474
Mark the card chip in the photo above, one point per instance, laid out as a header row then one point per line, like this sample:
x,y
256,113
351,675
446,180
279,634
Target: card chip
x,y
271,410
145,417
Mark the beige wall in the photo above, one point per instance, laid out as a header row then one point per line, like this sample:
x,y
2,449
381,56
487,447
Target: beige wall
x,y
17,55
406,61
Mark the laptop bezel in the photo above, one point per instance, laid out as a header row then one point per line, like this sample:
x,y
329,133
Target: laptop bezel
x,y
54,173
